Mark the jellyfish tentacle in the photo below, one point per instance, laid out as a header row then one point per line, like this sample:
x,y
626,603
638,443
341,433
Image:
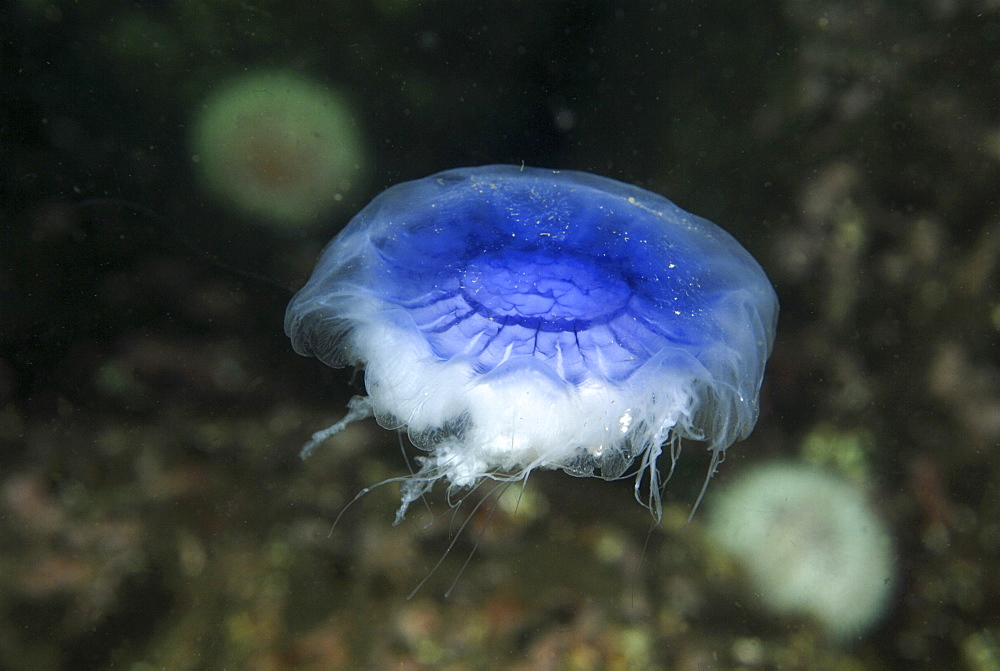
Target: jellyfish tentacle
x,y
718,456
358,408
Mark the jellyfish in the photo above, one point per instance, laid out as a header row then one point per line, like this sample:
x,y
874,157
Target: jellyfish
x,y
513,318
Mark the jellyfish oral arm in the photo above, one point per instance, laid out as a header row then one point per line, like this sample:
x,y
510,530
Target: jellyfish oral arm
x,y
358,408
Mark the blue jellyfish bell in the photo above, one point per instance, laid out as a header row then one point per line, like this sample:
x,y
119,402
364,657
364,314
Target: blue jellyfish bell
x,y
517,318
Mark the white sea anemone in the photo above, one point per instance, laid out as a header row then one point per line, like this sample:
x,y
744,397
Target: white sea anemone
x,y
811,544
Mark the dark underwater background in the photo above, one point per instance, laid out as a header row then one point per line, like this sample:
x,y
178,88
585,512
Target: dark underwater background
x,y
154,513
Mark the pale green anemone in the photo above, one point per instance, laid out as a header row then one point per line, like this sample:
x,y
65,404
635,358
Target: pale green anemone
x,y
278,146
